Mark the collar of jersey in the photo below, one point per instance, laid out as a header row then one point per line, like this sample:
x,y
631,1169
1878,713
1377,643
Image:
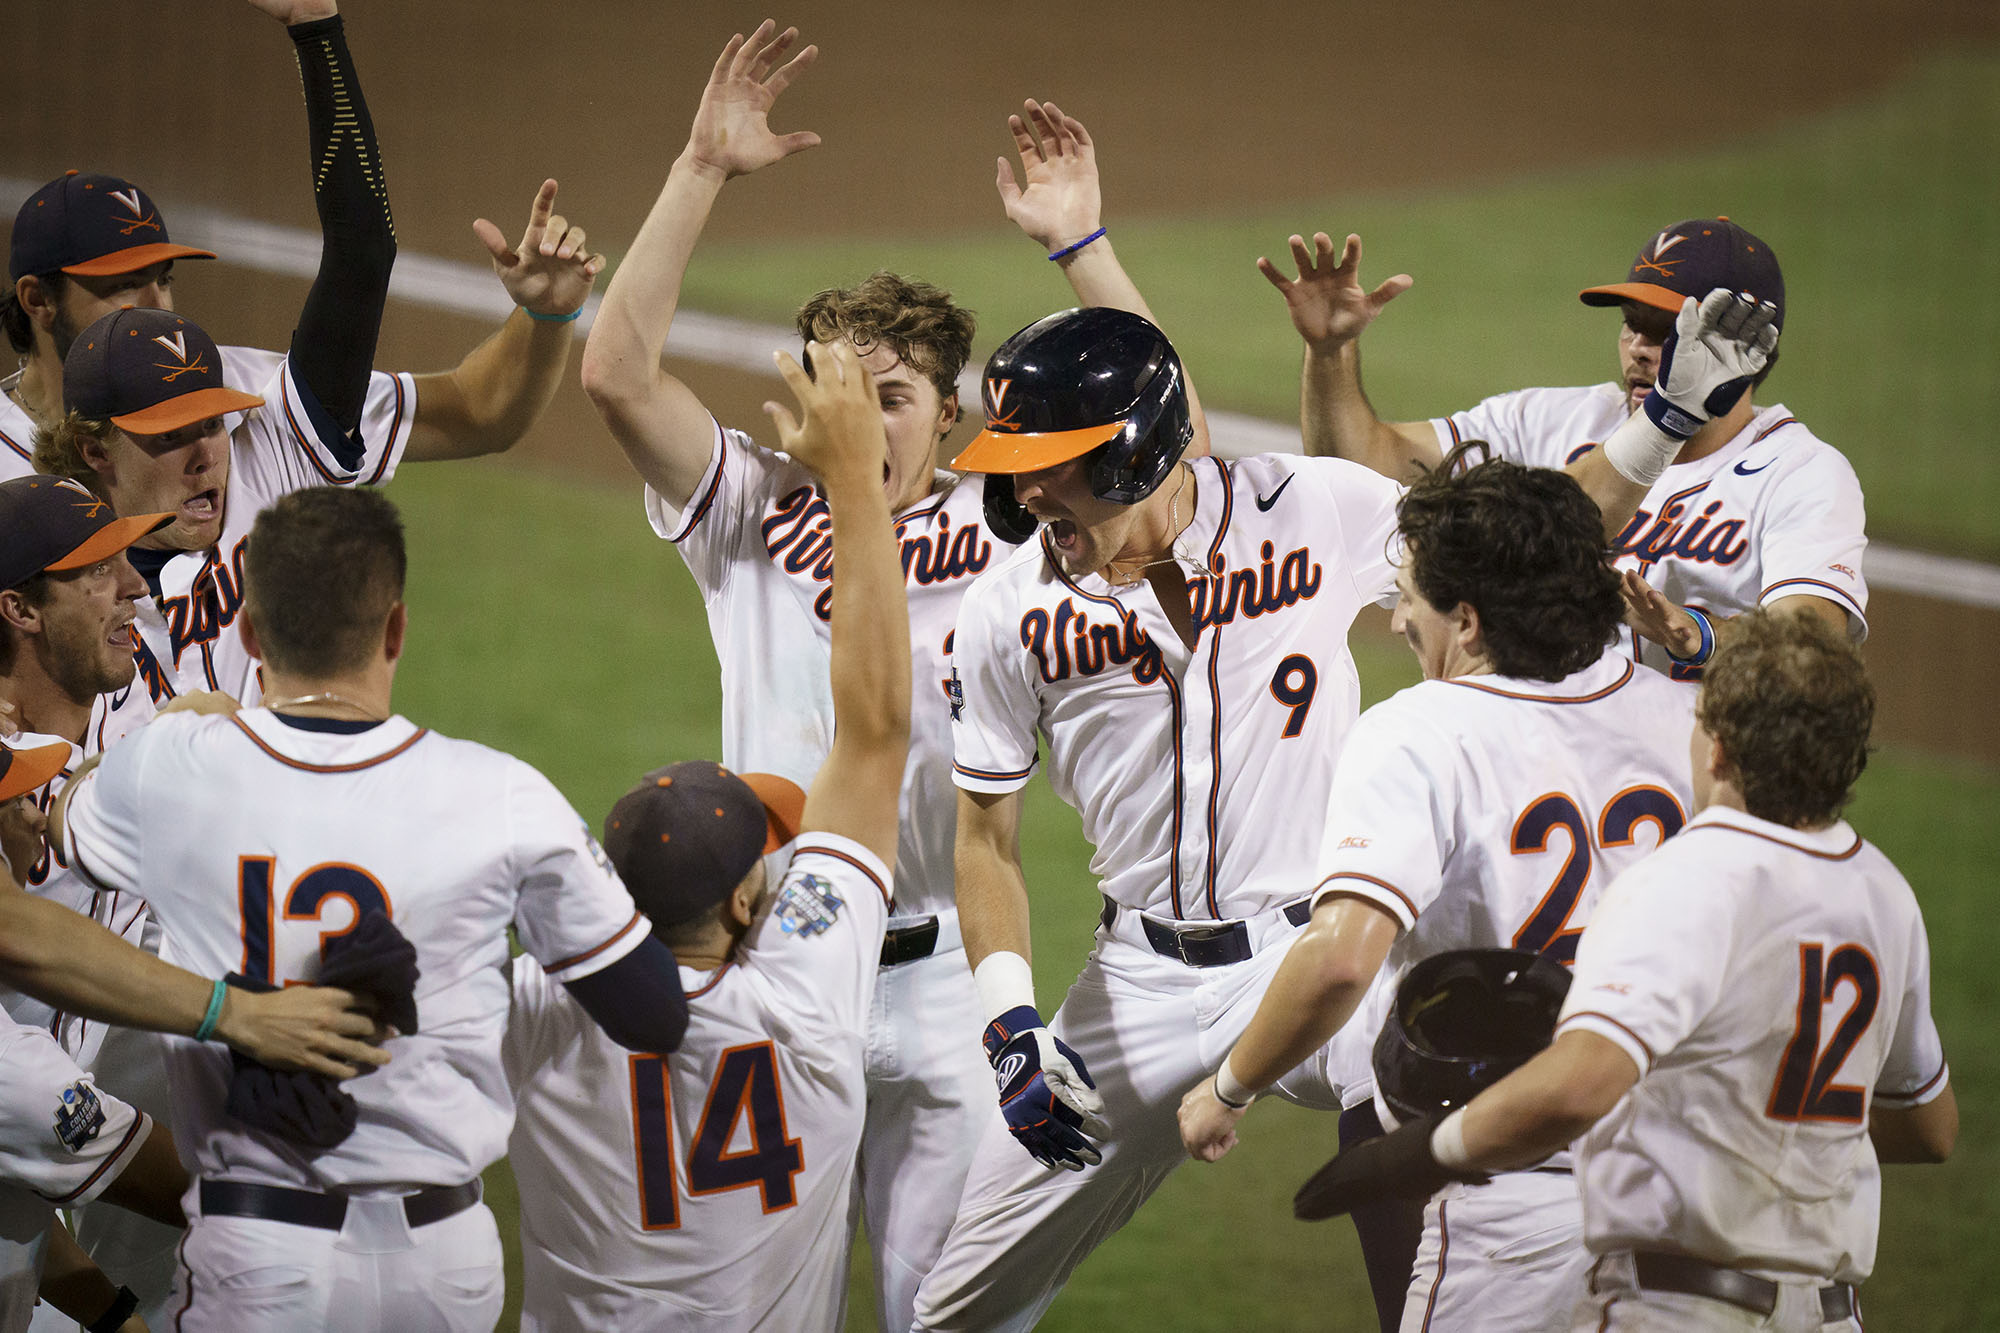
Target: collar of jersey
x,y
1201,538
1837,839
315,746
1607,673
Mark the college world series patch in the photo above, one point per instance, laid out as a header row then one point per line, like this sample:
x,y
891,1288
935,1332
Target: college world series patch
x,y
78,1116
807,905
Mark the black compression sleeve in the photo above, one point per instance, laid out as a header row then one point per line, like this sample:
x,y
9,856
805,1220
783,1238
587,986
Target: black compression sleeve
x,y
333,347
637,1000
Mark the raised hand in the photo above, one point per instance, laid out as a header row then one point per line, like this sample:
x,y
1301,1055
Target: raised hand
x,y
1719,345
1648,611
842,432
289,12
549,273
731,132
1327,303
1061,203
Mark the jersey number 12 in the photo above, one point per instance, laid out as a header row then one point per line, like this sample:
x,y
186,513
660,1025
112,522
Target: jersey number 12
x,y
1804,1088
745,1087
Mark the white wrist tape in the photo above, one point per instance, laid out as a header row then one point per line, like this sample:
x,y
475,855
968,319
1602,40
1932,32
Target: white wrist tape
x,y
1640,451
1005,981
1233,1091
1448,1142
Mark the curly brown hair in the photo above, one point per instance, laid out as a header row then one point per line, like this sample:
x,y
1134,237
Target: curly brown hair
x,y
915,319
1791,705
1525,547
59,448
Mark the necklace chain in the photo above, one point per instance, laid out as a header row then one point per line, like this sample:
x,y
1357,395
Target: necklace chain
x,y
323,697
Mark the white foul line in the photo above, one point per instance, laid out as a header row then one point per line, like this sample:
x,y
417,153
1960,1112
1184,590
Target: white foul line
x,y
745,345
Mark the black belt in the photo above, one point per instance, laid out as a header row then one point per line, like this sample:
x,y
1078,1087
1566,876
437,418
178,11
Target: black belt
x,y
1216,944
327,1212
1696,1277
906,944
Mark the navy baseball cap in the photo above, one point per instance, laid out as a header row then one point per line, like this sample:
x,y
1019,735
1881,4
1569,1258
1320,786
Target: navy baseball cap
x,y
1693,258
149,372
688,834
22,771
90,226
53,523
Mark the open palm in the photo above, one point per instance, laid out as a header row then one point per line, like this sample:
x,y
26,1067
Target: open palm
x,y
732,133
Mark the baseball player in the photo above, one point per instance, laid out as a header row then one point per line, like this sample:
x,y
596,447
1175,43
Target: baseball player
x,y
267,833
779,980
86,244
1748,507
1483,808
1747,1034
757,538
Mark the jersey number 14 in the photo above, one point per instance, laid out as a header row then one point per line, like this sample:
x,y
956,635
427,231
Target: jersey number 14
x,y
744,1089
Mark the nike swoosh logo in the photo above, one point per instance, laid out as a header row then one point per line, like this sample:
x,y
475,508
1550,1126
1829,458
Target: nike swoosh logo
x,y
1742,471
1264,502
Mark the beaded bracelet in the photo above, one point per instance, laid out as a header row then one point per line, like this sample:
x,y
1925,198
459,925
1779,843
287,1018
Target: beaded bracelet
x,y
1069,250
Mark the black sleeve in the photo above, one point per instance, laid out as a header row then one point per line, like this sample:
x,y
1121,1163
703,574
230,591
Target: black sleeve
x,y
637,1000
333,347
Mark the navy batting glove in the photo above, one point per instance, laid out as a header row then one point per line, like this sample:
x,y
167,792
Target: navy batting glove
x,y
1397,1164
1046,1093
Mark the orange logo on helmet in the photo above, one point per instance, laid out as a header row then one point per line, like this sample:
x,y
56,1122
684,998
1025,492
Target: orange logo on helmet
x,y
176,343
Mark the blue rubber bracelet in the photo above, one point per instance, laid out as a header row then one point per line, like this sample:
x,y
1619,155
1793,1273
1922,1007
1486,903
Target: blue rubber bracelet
x,y
1068,250
1707,649
553,319
214,1014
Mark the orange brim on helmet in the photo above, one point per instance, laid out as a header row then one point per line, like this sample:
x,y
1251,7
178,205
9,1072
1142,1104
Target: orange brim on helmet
x,y
23,771
134,259
1009,451
1645,293
174,413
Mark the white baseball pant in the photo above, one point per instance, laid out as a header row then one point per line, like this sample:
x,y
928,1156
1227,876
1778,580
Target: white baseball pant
x,y
1615,1302
1508,1254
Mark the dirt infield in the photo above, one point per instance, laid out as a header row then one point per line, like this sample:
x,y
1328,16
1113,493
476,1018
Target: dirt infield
x,y
1250,104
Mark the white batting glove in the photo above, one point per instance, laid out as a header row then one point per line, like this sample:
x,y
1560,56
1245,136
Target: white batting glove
x,y
1718,346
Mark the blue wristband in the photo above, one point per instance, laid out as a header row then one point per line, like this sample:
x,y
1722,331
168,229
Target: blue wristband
x,y
1069,250
553,319
1707,649
214,1014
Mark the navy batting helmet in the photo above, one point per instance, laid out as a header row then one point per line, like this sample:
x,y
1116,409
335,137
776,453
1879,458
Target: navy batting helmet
x,y
1461,1022
1093,381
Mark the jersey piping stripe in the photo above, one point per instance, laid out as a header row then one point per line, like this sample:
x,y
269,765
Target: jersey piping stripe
x,y
693,519
1774,426
1228,507
1846,598
354,767
180,1261
987,775
308,442
1214,760
395,426
1644,1045
1753,833
1911,1098
712,981
1444,1252
1180,795
821,849
1404,898
591,953
8,440
125,1145
1613,687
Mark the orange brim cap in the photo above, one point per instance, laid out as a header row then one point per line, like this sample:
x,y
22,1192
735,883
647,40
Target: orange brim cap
x,y
1007,451
110,539
25,770
136,258
784,806
1645,293
186,410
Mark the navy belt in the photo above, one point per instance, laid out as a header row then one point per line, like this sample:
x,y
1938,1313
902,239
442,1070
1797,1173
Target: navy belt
x,y
1212,944
906,944
1697,1277
327,1212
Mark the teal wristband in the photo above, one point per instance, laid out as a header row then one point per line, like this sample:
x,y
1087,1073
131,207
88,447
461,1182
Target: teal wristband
x,y
214,1014
570,318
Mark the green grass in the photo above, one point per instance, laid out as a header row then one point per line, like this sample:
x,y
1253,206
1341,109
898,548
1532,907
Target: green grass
x,y
548,621
1882,213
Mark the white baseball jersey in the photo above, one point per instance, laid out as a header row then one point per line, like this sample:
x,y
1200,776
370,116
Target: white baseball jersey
x,y
1490,811
255,841
189,624
1774,513
17,434
710,1188
758,539
124,914
1770,985
61,1143
1200,775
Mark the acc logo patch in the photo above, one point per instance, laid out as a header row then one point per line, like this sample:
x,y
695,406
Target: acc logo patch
x,y
79,1116
807,905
